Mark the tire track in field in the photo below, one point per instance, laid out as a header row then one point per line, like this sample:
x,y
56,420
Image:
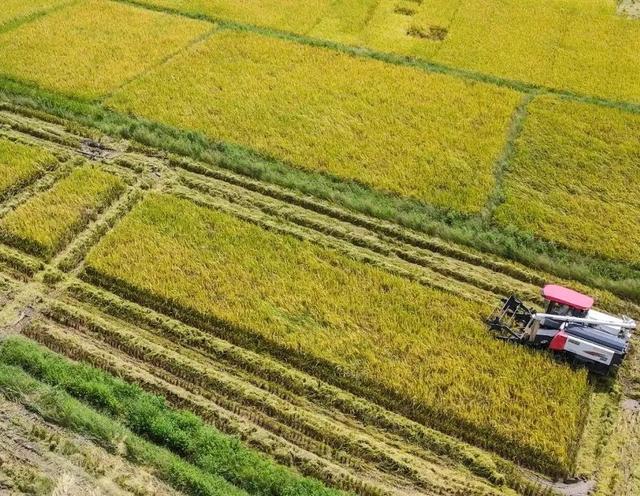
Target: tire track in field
x,y
481,274
265,430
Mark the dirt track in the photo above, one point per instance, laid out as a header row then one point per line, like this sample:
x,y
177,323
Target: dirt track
x,y
39,458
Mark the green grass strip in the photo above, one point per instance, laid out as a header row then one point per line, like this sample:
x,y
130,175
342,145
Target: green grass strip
x,y
149,416
618,277
60,408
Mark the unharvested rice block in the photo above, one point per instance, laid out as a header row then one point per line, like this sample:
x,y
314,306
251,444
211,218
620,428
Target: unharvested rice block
x,y
292,15
16,10
574,179
575,45
427,349
19,164
430,137
94,46
46,222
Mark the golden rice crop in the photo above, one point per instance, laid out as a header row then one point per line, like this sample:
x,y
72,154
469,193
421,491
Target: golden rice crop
x,y
45,222
428,136
574,178
13,10
94,46
20,163
576,45
281,14
428,347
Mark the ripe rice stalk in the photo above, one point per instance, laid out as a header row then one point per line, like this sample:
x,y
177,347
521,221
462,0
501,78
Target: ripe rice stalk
x,y
574,179
18,10
545,42
396,130
404,344
92,47
47,221
288,380
20,164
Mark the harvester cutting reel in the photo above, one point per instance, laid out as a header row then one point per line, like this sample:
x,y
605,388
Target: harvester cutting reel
x,y
568,326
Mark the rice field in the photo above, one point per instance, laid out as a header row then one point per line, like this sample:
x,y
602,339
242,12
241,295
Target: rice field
x,y
20,164
395,131
578,186
573,45
74,50
46,222
19,10
250,247
373,327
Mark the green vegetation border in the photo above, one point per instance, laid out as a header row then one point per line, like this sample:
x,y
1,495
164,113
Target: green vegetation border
x,y
79,114
148,415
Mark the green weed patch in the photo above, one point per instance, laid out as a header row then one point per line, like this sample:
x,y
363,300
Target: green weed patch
x,y
219,456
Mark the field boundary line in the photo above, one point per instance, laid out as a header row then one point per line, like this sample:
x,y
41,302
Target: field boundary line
x,y
164,61
503,162
228,166
20,21
71,257
399,60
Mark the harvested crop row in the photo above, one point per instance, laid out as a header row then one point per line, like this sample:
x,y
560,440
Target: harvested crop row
x,y
396,130
93,47
302,422
46,222
145,414
361,326
574,179
178,394
286,381
20,164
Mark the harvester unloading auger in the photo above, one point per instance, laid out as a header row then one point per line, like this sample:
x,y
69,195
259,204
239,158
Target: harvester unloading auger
x,y
569,325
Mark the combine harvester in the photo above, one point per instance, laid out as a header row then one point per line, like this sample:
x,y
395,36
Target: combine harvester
x,y
569,326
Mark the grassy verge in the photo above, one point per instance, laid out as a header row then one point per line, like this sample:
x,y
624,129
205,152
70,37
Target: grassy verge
x,y
61,408
147,415
510,243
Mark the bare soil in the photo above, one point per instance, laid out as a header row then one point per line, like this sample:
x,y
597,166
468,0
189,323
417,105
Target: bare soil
x,y
42,459
629,8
